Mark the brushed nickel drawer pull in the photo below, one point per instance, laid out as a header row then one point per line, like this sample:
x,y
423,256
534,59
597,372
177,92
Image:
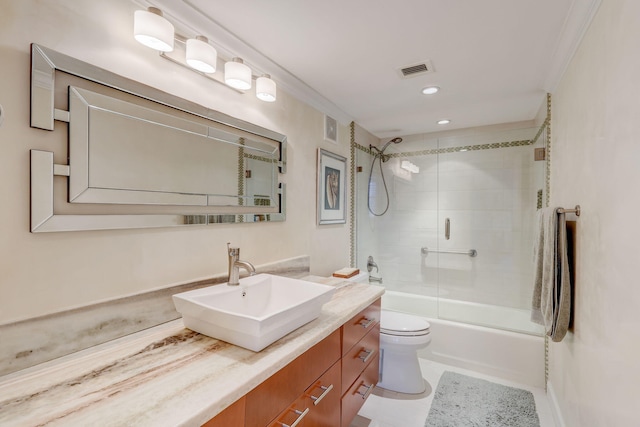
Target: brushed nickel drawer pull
x,y
366,357
366,393
301,415
365,323
326,391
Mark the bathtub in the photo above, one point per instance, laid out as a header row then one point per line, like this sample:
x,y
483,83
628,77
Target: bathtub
x,y
516,356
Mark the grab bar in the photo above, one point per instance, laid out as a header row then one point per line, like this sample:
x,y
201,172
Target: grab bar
x,y
471,252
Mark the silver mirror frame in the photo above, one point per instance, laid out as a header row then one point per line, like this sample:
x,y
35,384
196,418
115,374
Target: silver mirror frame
x,y
44,220
44,63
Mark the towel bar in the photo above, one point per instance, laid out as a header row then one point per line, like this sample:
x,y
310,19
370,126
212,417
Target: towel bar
x,y
575,211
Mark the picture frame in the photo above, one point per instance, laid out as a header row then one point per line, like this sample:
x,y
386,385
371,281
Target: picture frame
x,y
332,188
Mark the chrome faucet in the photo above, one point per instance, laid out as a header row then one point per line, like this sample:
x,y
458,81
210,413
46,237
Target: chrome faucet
x,y
234,266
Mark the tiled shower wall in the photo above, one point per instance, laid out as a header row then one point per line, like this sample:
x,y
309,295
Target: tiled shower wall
x,y
489,195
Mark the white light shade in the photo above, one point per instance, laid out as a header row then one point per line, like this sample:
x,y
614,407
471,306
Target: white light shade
x,y
237,75
201,55
152,30
444,122
266,88
408,166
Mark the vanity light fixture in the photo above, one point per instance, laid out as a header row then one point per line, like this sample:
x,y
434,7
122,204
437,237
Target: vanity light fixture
x,y
237,74
444,122
430,90
152,30
201,55
265,88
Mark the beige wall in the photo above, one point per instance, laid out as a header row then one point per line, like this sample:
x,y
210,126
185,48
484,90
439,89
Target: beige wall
x,y
594,372
43,273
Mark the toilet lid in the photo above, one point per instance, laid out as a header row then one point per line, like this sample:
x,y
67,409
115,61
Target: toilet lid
x,y
401,324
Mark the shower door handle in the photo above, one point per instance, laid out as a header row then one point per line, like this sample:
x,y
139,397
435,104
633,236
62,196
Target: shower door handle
x,y
447,229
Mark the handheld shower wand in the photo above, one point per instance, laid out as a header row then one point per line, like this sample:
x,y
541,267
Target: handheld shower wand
x,y
378,153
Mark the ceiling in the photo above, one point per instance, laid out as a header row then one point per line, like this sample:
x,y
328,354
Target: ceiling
x,y
494,60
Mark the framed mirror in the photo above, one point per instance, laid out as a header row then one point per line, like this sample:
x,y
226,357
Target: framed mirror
x,y
131,145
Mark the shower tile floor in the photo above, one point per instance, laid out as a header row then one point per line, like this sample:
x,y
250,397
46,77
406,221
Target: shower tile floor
x,y
385,408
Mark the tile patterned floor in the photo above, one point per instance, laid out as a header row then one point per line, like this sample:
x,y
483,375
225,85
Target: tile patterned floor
x,y
389,409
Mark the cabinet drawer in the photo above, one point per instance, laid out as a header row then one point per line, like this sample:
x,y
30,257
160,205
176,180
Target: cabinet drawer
x,y
360,356
277,392
359,325
354,398
319,406
233,416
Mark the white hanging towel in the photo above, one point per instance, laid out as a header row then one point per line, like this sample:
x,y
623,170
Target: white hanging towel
x,y
551,302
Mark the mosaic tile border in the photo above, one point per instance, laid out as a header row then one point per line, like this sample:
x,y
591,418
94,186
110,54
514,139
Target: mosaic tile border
x,y
547,179
352,197
259,158
241,174
490,146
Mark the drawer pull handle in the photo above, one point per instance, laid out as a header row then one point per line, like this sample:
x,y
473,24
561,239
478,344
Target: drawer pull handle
x,y
366,393
326,391
365,323
366,357
301,415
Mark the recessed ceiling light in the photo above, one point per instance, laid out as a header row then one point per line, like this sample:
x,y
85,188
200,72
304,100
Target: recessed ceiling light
x,y
444,122
430,90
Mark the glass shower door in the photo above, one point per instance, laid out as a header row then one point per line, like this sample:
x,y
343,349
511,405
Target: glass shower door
x,y
486,206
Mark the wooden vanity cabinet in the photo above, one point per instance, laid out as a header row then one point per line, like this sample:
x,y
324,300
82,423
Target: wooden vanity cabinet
x,y
356,328
323,387
318,406
360,360
281,390
355,396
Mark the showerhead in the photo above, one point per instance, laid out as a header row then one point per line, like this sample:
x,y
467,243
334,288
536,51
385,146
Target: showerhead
x,y
396,140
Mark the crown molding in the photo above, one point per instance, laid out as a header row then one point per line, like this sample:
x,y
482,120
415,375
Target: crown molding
x,y
575,26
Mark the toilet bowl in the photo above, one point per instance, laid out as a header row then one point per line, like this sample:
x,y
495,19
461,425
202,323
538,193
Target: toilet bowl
x,y
401,336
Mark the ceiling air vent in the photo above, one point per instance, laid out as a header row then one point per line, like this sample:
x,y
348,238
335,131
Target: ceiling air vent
x,y
416,69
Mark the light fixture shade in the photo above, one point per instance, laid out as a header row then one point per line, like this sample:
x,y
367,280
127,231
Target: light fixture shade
x,y
201,55
237,74
152,30
410,167
266,88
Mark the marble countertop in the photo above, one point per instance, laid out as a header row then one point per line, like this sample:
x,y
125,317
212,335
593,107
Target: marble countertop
x,y
164,376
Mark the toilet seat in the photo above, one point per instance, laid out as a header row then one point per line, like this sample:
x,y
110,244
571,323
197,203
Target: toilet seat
x,y
402,325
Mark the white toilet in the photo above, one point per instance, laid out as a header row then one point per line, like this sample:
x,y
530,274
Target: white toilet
x,y
401,336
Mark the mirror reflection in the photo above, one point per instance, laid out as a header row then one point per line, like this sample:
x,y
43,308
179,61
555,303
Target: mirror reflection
x,y
126,153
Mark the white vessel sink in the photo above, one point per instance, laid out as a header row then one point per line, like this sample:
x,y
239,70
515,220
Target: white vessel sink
x,y
261,310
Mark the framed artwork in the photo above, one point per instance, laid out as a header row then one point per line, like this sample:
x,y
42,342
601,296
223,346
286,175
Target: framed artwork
x,y
332,183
